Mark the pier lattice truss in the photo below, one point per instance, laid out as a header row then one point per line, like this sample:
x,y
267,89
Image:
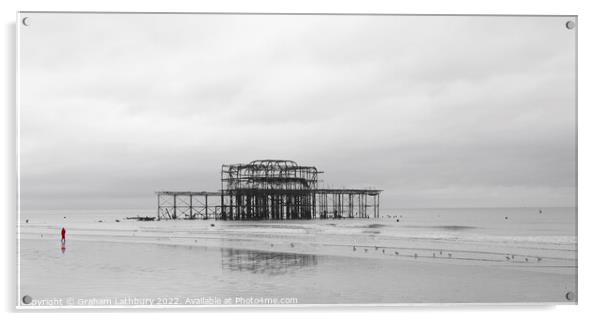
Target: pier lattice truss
x,y
269,190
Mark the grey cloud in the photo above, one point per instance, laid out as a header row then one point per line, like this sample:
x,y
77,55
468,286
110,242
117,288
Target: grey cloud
x,y
438,111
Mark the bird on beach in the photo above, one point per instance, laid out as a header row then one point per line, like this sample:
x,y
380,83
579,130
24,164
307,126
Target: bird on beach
x,y
415,255
449,255
526,259
383,251
538,259
365,250
507,258
354,248
396,253
440,252
271,245
292,245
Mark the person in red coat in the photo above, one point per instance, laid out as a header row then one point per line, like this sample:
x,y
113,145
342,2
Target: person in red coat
x,y
63,232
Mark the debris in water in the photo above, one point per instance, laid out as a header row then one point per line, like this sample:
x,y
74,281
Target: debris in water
x,y
141,218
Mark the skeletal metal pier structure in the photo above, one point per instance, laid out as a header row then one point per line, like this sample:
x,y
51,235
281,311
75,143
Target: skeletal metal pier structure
x,y
187,205
269,190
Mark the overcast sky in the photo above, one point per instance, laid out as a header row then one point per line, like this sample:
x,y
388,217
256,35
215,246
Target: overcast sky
x,y
436,111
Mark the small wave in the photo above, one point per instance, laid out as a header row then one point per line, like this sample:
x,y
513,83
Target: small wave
x,y
443,227
375,226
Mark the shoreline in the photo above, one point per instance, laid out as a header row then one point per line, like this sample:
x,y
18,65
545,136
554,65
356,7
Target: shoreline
x,y
345,245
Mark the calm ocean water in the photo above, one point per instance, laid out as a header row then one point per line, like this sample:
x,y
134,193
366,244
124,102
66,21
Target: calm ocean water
x,y
479,239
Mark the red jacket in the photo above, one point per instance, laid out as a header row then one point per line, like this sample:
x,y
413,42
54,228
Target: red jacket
x,y
63,233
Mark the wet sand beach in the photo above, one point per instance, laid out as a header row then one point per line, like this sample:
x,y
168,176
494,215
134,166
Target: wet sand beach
x,y
370,261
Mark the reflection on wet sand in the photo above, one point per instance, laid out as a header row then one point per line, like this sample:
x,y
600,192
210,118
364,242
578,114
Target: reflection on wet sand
x,y
265,262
